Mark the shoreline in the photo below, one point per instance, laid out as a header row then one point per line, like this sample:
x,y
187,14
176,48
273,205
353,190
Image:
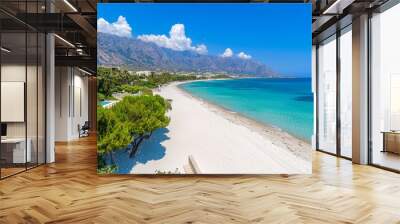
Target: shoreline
x,y
204,139
271,132
238,113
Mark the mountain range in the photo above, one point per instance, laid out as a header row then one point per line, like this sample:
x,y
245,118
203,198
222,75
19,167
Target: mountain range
x,y
135,54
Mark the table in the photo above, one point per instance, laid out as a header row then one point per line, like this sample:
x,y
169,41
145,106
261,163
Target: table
x,y
13,150
391,141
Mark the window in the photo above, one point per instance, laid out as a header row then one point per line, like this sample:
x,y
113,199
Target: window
x,y
327,95
346,92
385,89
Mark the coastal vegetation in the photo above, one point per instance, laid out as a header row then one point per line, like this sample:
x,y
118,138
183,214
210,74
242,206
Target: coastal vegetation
x,y
132,119
126,125
112,80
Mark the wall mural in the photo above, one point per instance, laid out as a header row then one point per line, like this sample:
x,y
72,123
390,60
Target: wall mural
x,y
204,88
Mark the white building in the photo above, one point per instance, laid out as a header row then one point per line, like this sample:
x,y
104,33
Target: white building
x,y
146,73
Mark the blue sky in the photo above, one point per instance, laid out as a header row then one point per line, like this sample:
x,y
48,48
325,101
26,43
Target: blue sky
x,y
278,35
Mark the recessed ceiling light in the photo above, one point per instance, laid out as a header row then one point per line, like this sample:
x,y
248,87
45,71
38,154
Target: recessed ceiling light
x,y
70,5
64,40
5,50
86,72
337,7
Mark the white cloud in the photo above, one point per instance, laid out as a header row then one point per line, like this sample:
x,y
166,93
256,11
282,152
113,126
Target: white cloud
x,y
242,55
201,49
227,53
120,28
177,40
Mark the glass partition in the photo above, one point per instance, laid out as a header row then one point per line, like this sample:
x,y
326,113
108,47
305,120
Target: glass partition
x,y
346,92
385,89
327,95
13,94
22,88
31,98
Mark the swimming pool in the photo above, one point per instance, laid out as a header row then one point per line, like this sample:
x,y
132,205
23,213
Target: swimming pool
x,y
104,103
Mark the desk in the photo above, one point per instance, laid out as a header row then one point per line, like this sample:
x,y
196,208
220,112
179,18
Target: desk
x,y
391,141
13,150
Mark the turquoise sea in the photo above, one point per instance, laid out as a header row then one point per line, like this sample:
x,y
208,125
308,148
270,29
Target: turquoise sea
x,y
283,103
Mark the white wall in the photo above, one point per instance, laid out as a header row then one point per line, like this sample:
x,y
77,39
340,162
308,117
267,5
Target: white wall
x,y
62,82
80,88
13,72
70,83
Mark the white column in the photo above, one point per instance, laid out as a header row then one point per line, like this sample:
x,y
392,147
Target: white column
x,y
360,90
50,100
314,91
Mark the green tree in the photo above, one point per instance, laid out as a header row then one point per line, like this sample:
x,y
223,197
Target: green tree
x,y
103,168
144,114
105,81
100,96
113,134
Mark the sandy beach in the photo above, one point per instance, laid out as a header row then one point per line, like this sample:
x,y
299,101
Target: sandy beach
x,y
220,142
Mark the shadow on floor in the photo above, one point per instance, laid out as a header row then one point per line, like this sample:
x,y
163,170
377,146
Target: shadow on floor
x,y
151,149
